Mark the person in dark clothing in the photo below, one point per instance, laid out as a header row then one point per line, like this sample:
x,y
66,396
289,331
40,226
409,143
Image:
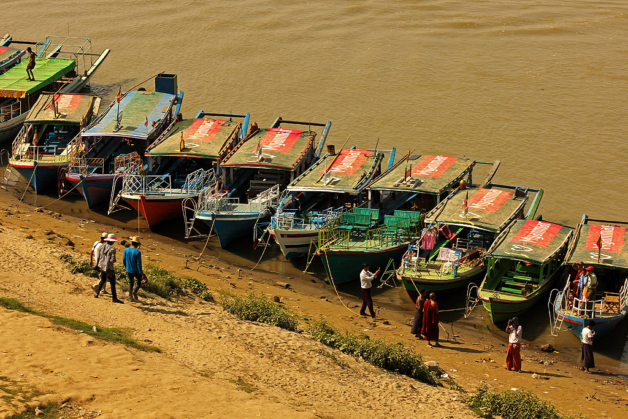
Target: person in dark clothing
x,y
132,261
31,64
417,324
587,347
431,321
366,277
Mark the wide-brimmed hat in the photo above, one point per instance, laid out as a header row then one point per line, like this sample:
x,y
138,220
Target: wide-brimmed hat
x,y
135,239
111,238
589,268
103,235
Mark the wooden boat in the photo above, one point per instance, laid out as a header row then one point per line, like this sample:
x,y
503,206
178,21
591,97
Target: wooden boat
x,y
611,268
64,65
523,264
266,158
41,147
182,162
464,226
125,127
322,194
9,56
416,182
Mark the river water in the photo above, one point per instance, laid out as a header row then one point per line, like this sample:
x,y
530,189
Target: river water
x,y
540,85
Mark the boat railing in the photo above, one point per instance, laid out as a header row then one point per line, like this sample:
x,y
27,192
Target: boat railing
x,y
85,166
10,111
587,308
46,154
133,183
198,180
19,140
127,163
623,296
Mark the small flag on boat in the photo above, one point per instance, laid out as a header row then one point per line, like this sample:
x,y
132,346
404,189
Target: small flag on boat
x,y
146,123
465,204
181,144
599,247
119,95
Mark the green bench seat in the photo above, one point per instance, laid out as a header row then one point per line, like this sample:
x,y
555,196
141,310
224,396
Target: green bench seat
x,y
512,290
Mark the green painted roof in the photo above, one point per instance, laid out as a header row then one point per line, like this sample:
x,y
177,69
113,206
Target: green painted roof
x,y
282,149
428,174
614,252
14,83
73,109
203,138
347,171
135,108
532,241
489,209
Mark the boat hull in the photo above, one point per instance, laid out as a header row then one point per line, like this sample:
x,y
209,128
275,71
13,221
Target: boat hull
x,y
9,129
603,325
412,284
229,227
344,266
96,189
294,243
43,177
155,210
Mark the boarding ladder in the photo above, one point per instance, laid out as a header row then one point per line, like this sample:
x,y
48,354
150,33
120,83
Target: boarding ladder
x,y
555,317
10,177
389,272
190,207
472,299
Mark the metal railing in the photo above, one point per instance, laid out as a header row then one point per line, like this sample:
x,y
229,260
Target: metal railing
x,y
86,166
196,181
10,111
46,154
218,201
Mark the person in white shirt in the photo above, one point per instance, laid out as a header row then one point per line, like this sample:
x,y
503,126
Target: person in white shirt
x,y
93,260
513,356
587,347
366,277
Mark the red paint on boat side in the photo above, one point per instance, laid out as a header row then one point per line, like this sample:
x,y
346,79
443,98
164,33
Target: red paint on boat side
x,y
155,212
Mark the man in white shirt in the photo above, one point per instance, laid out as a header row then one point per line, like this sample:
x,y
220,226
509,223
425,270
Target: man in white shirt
x,y
93,259
513,356
587,347
366,277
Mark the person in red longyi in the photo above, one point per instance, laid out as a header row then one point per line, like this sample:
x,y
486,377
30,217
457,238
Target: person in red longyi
x,y
430,321
513,356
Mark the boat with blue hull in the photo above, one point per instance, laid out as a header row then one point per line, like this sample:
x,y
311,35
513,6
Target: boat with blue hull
x,y
263,163
129,125
9,55
41,148
601,245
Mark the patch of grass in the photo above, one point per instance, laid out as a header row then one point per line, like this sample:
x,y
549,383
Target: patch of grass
x,y
197,287
334,358
244,386
162,282
50,411
259,309
115,335
17,393
394,357
79,267
510,404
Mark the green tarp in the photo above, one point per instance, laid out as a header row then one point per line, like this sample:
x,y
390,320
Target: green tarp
x,y
347,171
614,250
429,174
532,241
72,109
272,148
488,209
14,83
202,137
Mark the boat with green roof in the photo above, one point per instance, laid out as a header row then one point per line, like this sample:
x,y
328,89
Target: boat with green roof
x,y
449,253
523,264
63,65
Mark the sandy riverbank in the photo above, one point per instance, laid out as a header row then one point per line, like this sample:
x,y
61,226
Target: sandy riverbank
x,y
206,352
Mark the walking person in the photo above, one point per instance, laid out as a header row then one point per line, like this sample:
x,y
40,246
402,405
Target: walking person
x,y
431,321
513,356
587,347
132,261
31,64
366,279
417,324
93,260
106,260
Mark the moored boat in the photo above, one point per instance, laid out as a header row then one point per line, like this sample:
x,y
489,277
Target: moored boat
x,y
264,159
182,163
63,65
129,125
41,147
600,244
323,193
449,254
9,55
523,264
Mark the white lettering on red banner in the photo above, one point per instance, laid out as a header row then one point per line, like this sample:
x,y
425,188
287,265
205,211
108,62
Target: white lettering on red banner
x,y
433,166
489,200
279,139
348,161
66,102
612,238
538,233
203,130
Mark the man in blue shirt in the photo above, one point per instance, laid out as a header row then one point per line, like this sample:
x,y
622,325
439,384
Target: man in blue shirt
x,y
132,260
